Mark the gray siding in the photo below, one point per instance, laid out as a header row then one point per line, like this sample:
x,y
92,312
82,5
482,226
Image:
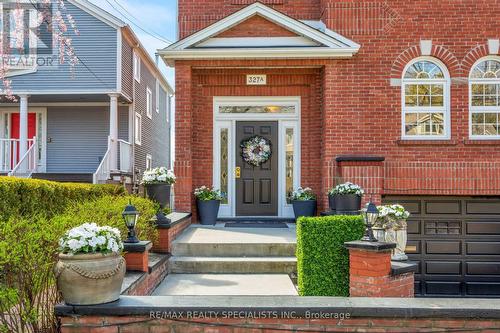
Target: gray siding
x,y
161,135
155,131
96,46
78,137
127,69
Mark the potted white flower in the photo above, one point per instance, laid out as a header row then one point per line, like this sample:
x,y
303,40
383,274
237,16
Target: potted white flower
x,y
304,202
346,198
158,182
208,203
90,269
392,228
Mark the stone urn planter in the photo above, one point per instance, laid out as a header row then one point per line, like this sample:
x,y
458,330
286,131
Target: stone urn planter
x,y
208,210
304,208
347,203
399,236
89,279
159,193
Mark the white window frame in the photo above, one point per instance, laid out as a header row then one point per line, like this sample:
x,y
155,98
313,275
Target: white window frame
x,y
137,67
138,128
157,96
149,162
482,109
445,109
149,103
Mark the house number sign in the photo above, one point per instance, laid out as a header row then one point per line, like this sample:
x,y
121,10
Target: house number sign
x,y
256,80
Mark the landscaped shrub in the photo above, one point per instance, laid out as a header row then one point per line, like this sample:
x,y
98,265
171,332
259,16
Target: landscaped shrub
x,y
322,259
28,253
107,210
28,197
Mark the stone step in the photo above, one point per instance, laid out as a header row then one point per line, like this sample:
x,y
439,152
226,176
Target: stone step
x,y
233,249
232,265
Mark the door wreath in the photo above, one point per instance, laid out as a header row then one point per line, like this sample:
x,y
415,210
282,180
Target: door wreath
x,y
256,150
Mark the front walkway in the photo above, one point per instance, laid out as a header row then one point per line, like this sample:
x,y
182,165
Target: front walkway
x,y
217,260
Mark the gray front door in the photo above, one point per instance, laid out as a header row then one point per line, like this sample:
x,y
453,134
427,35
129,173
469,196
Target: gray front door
x,y
257,186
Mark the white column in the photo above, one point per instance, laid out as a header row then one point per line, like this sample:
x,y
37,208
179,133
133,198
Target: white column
x,y
23,125
113,130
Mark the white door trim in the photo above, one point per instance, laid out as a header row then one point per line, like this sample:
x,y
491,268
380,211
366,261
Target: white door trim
x,y
5,111
228,121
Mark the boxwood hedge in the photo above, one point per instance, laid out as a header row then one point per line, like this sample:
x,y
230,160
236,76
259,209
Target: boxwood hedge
x,y
29,197
322,259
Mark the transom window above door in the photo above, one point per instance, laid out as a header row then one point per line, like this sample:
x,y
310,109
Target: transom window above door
x,y
484,81
425,100
258,109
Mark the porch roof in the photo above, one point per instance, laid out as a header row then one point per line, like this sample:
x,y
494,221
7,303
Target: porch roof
x,y
313,40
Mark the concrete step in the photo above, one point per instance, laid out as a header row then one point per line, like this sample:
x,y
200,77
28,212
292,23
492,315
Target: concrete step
x,y
233,265
226,284
233,249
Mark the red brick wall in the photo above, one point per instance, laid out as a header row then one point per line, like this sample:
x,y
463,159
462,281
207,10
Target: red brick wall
x,y
141,324
359,111
257,26
195,15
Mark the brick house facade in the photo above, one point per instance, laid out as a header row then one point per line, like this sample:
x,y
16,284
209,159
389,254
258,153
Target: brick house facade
x,y
385,93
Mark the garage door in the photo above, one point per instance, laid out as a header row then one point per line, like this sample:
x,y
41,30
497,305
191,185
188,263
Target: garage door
x,y
456,243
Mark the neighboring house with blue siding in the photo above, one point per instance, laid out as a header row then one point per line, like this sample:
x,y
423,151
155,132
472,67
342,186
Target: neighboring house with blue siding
x,y
107,118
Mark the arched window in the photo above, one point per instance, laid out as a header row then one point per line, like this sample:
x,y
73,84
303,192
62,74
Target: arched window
x,y
484,87
425,100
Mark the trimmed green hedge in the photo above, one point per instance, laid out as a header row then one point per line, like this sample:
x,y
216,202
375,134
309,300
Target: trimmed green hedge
x,y
107,210
29,197
322,259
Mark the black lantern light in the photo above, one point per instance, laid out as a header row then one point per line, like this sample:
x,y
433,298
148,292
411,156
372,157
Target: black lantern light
x,y
130,215
371,215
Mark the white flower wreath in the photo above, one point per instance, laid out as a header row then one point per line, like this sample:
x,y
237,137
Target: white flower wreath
x,y
256,150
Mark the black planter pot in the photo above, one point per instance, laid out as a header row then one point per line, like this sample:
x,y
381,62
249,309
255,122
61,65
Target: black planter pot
x,y
347,203
304,208
159,193
208,211
331,201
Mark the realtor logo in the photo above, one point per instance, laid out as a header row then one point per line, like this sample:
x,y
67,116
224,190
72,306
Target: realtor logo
x,y
26,36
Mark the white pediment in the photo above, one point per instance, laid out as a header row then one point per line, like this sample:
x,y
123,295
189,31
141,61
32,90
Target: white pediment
x,y
307,42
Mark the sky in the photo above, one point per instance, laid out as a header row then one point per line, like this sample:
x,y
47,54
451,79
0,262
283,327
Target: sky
x,y
148,18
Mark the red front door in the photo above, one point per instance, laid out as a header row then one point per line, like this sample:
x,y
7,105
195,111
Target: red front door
x,y
14,134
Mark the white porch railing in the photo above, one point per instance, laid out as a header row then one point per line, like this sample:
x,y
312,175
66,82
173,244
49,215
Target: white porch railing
x,y
125,156
103,171
9,153
28,162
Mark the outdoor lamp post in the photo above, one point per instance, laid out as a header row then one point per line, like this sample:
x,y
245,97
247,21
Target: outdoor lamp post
x,y
371,215
130,215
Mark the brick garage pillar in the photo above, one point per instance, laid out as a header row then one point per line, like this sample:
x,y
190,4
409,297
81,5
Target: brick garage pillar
x,y
371,273
137,255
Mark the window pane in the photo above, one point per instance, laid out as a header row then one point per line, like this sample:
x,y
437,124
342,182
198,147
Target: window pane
x,y
437,123
411,100
424,70
437,89
224,163
478,118
486,69
437,101
477,129
257,109
289,148
411,124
